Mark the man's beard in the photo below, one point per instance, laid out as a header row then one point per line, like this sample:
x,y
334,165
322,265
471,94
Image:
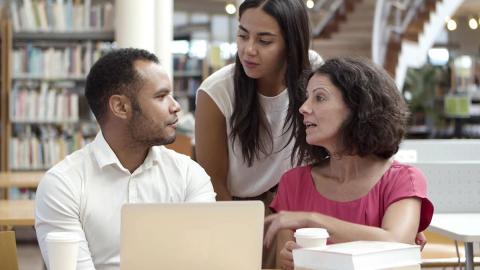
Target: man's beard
x,y
143,131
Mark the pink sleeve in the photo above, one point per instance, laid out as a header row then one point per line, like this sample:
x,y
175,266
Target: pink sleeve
x,y
410,182
280,201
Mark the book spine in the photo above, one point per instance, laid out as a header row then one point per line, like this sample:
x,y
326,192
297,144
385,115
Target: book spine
x,y
42,150
69,62
42,15
15,16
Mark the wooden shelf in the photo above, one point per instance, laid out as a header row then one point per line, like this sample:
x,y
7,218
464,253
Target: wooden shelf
x,y
27,77
34,122
182,94
187,74
6,44
20,179
64,36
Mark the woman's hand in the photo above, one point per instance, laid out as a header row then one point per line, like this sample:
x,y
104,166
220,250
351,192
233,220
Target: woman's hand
x,y
421,240
286,256
285,220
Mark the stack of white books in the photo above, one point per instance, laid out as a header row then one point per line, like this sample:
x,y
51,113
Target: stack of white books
x,y
359,255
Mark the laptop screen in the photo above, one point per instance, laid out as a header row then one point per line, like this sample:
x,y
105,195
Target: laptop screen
x,y
220,235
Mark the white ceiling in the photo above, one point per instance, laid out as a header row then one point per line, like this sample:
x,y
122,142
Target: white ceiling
x,y
469,7
209,6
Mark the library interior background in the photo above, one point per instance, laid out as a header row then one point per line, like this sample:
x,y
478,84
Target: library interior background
x,y
430,47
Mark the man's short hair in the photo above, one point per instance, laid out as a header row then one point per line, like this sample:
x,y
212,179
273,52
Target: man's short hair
x,y
114,74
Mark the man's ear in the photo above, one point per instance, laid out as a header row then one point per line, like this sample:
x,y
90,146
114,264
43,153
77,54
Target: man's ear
x,y
120,106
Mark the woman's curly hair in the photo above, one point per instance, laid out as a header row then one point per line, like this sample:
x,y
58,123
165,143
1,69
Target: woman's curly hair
x,y
378,118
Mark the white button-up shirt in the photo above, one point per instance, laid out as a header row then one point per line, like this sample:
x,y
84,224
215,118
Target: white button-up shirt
x,y
84,194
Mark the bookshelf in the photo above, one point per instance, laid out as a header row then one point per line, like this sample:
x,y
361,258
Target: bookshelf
x,y
188,73
48,48
2,104
5,40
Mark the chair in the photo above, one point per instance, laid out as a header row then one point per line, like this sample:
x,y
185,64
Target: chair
x,y
441,251
183,145
452,188
8,251
452,168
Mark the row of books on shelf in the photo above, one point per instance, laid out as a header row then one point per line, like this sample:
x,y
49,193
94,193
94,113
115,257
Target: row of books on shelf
x,y
16,193
186,86
43,105
183,63
71,61
32,152
61,15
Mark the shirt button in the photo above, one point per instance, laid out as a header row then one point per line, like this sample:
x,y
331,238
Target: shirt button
x,y
132,191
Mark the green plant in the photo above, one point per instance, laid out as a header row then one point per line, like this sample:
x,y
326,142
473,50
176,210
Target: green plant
x,y
421,84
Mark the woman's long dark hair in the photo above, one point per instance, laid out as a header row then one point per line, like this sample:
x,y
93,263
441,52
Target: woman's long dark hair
x,y
248,122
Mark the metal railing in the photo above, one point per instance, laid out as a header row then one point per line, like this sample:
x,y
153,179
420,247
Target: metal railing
x,y
392,18
327,10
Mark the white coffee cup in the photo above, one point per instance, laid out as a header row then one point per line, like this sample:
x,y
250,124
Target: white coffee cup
x,y
311,237
62,248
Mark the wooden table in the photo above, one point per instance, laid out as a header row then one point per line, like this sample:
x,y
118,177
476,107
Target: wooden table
x,y
463,227
17,213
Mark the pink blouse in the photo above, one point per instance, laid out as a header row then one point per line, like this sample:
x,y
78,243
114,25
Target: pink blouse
x,y
297,192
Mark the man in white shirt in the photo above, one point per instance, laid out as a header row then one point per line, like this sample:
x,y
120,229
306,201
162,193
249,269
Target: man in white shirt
x,y
131,97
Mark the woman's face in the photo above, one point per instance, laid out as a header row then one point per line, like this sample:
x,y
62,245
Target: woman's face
x,y
261,46
324,112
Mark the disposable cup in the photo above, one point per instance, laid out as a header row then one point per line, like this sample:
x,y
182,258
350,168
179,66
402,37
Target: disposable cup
x,y
311,237
62,248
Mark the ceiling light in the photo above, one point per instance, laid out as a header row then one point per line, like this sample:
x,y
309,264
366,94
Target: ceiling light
x,y
438,56
451,25
230,9
310,3
473,24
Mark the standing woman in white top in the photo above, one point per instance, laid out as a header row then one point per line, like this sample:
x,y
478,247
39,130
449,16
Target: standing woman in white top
x,y
245,111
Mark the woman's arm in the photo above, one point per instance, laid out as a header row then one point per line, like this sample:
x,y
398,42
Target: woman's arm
x,y
399,224
211,148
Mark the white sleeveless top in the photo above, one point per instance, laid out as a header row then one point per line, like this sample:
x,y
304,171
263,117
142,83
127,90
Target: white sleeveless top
x,y
265,172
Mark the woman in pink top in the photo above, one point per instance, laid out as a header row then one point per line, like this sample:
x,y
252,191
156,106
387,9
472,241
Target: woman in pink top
x,y
354,119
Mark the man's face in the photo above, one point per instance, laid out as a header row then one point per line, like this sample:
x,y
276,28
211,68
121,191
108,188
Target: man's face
x,y
154,110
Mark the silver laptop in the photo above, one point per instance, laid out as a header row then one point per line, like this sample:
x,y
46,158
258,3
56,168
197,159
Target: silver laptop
x,y
193,236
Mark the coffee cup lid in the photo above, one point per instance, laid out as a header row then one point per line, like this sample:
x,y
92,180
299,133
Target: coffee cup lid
x,y
311,233
62,237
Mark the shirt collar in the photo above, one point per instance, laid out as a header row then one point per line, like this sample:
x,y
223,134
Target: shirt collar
x,y
153,157
105,155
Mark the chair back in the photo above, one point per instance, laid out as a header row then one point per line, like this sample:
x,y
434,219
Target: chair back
x,y
8,251
438,150
453,187
183,145
452,169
